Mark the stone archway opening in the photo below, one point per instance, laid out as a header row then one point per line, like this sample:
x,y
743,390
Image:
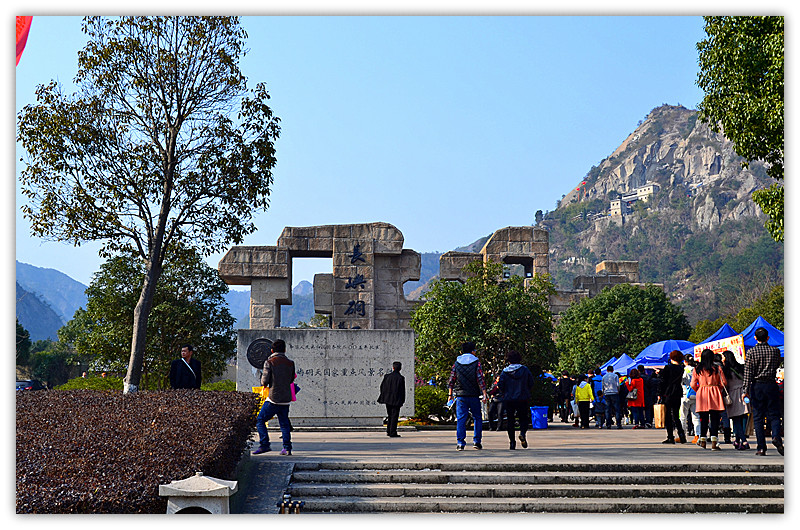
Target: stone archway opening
x,y
305,270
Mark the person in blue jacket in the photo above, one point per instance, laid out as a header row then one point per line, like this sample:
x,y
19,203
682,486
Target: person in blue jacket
x,y
515,383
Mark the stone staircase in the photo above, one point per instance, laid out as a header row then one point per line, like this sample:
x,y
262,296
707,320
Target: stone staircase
x,y
455,487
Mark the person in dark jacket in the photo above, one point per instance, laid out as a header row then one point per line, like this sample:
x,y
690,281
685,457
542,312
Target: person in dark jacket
x,y
393,395
650,394
670,393
278,374
564,395
466,381
186,371
515,383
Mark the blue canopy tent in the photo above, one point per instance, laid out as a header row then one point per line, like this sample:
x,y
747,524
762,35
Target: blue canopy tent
x,y
623,364
775,335
609,362
723,332
660,350
649,361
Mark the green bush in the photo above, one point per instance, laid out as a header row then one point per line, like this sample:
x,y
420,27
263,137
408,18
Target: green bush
x,y
429,401
93,383
225,384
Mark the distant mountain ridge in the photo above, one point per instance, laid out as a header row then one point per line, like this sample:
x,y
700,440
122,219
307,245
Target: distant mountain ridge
x,y
700,233
62,293
36,316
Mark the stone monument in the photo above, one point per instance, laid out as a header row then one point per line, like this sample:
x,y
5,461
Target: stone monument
x,y
340,369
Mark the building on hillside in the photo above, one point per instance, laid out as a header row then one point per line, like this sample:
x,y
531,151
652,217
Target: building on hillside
x,y
624,205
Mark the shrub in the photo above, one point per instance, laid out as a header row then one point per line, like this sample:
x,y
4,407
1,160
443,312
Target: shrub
x,y
225,385
89,451
93,383
429,401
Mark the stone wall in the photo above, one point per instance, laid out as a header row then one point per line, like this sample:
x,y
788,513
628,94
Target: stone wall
x,y
339,371
365,290
527,246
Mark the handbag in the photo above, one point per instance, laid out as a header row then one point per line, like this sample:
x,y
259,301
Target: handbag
x,y
659,415
726,397
633,394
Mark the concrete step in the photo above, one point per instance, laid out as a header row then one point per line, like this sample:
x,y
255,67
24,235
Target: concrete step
x,y
302,491
680,505
504,466
547,477
476,487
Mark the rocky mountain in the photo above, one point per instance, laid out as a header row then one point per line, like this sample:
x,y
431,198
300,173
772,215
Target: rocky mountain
x,y
36,316
684,211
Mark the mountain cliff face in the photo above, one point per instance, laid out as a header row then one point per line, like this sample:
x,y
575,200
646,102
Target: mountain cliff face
x,y
698,231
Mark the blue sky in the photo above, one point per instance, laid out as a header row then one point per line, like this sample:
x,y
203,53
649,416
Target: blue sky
x,y
447,127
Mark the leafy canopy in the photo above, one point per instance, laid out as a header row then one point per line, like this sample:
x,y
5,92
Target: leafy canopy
x,y
620,319
163,146
189,306
163,142
741,73
497,314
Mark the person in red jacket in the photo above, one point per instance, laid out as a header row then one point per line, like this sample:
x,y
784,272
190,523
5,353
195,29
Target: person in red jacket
x,y
635,387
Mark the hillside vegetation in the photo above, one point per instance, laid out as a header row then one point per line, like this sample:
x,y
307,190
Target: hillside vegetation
x,y
700,234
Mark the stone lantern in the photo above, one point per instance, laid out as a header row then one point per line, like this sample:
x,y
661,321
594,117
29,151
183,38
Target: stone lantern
x,y
198,494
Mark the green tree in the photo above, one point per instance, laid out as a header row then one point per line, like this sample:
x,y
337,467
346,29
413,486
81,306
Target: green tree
x,y
188,306
538,216
620,319
497,314
164,143
741,73
52,361
319,320
23,345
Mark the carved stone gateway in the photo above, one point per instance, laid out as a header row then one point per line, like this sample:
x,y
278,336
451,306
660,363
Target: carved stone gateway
x,y
339,370
365,290
524,246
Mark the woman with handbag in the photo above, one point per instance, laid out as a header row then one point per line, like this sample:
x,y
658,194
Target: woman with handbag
x,y
708,381
670,392
635,387
737,409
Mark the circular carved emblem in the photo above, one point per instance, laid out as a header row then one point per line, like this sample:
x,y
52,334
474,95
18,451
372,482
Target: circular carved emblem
x,y
258,352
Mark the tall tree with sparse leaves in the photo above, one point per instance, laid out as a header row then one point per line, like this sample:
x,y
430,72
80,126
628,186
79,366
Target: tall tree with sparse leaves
x,y
163,145
741,73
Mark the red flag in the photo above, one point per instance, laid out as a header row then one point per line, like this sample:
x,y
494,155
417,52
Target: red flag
x,y
23,28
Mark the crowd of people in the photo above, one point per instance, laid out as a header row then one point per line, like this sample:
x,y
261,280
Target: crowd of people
x,y
699,398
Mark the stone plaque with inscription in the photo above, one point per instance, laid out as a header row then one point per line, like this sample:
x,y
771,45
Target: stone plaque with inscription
x,y
339,371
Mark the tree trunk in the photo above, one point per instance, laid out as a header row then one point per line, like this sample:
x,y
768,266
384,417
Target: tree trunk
x,y
141,314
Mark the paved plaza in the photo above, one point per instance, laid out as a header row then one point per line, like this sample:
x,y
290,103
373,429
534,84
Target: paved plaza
x,y
560,443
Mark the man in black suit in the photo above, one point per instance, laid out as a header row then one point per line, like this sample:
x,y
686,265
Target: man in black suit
x,y
393,395
185,372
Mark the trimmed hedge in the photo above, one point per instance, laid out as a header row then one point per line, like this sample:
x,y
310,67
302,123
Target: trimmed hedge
x,y
90,451
429,401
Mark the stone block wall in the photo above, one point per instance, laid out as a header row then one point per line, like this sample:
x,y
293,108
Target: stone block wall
x,y
629,269
527,246
339,371
365,290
